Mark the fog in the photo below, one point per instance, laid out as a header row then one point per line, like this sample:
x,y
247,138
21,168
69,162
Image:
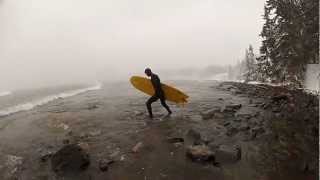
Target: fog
x,y
51,42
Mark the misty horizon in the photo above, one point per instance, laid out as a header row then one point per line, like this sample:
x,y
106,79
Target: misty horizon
x,y
57,42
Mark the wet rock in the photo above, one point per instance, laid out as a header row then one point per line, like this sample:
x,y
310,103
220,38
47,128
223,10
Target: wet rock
x,y
92,106
276,109
70,159
244,127
280,97
228,154
193,137
244,115
200,153
226,124
232,131
177,145
104,164
95,133
138,113
234,106
210,113
253,105
45,156
309,166
137,147
214,146
196,118
12,166
65,141
115,155
175,140
256,131
84,135
265,105
85,146
219,115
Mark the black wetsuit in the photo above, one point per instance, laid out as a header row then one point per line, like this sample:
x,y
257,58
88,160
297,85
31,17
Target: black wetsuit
x,y
159,94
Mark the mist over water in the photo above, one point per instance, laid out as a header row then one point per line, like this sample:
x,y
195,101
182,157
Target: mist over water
x,y
46,43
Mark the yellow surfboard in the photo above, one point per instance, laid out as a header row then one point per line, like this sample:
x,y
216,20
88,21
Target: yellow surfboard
x,y
171,93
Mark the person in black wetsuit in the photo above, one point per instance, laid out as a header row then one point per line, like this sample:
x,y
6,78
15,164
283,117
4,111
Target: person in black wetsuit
x,y
159,94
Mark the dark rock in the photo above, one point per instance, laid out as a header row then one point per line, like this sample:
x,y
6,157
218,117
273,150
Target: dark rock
x,y
232,131
65,141
193,137
280,97
175,140
244,127
200,153
276,109
226,124
256,131
71,159
45,156
104,164
234,106
228,154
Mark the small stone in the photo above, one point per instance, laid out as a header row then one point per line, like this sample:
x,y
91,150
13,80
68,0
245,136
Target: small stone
x,y
175,140
122,158
138,113
177,145
95,133
226,124
137,147
115,154
200,153
85,146
231,108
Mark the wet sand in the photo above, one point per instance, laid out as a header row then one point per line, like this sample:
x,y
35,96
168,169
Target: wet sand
x,y
112,120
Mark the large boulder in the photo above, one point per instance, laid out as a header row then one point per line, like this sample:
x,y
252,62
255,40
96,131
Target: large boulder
x,y
70,159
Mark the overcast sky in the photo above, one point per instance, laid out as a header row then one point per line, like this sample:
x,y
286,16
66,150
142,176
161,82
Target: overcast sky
x,y
56,41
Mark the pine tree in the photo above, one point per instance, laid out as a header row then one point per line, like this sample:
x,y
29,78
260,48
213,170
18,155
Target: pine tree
x,y
290,38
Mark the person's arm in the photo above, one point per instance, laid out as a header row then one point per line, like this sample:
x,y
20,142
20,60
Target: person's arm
x,y
156,83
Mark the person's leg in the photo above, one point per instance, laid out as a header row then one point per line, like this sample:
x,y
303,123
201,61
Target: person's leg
x,y
148,104
164,104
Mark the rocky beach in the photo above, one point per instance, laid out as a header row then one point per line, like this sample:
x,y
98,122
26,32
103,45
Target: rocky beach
x,y
227,131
